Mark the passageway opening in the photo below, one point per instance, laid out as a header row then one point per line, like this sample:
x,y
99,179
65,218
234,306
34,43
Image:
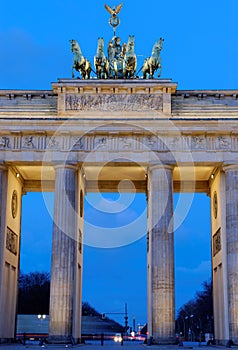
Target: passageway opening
x,y
35,262
192,261
115,256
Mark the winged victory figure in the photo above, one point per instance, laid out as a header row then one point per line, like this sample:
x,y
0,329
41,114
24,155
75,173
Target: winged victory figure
x,y
113,10
114,21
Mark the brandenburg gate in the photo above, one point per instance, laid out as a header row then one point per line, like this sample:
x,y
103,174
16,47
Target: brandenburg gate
x,y
89,135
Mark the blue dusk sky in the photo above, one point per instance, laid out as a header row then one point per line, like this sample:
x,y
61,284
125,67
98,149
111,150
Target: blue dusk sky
x,y
200,52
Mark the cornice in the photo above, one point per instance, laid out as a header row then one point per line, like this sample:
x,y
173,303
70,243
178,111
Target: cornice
x,y
95,86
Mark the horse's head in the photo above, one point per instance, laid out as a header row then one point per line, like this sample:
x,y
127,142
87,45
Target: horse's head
x,y
158,46
100,48
131,43
75,46
160,43
131,39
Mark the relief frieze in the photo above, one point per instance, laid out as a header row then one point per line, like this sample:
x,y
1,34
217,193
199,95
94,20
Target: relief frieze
x,y
101,142
224,142
5,142
109,141
53,143
125,143
198,142
175,142
150,142
78,143
11,241
112,103
27,142
217,242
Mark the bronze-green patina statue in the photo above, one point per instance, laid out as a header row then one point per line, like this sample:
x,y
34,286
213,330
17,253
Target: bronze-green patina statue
x,y
130,60
121,60
115,57
114,21
100,61
152,63
80,63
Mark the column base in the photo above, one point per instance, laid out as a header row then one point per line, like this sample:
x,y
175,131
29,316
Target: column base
x,y
7,340
60,339
226,342
164,341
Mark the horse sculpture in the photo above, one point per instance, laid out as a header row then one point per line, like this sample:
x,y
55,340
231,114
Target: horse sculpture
x,y
152,63
100,61
130,61
80,63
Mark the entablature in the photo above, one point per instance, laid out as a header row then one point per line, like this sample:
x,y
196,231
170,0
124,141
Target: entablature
x,y
134,98
122,138
118,100
27,104
205,104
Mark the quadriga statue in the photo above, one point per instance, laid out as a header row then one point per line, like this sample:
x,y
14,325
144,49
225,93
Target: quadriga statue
x,y
80,63
152,63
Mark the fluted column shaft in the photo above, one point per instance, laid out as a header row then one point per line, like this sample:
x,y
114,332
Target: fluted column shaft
x,y
4,330
63,255
2,170
232,247
1,255
161,255
1,177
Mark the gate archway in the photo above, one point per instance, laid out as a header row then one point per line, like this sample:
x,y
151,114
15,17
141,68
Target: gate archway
x,y
86,136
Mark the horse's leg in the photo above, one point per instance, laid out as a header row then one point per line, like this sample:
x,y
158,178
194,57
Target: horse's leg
x,y
73,72
145,69
82,72
160,70
98,70
106,72
88,72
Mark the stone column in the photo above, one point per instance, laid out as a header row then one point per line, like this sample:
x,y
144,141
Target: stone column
x,y
2,169
63,254
161,255
231,174
2,248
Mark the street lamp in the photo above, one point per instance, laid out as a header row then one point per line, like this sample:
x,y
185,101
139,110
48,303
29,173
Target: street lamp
x,y
191,316
41,318
185,318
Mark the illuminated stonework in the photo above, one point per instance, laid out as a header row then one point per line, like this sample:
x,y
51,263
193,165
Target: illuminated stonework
x,y
92,135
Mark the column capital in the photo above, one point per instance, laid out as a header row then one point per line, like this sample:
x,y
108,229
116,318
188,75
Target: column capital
x,y
73,166
3,166
229,167
160,166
